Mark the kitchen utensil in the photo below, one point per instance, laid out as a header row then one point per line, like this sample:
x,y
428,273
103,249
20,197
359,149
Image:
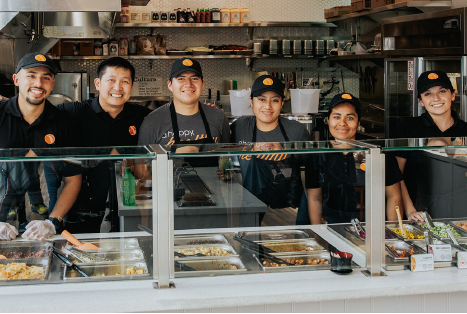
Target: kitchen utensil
x,y
184,255
144,228
273,47
451,236
68,263
400,222
76,242
251,244
319,47
341,262
329,45
257,48
428,237
75,256
308,47
266,255
286,47
428,220
390,251
183,266
297,47
88,255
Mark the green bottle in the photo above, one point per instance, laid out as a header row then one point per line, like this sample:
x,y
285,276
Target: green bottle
x,y
128,187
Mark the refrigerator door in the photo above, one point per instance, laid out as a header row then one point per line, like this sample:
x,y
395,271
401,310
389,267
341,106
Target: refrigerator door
x,y
69,87
399,98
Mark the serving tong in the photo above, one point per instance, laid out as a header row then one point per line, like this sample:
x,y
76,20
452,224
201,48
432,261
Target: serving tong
x,y
183,266
68,263
260,250
428,220
89,255
358,227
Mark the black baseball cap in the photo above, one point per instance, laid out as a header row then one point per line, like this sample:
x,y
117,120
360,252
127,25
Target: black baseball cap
x,y
345,97
36,59
429,79
184,65
266,83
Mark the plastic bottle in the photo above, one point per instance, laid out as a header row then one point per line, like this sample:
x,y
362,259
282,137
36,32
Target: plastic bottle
x,y
207,13
173,16
128,188
225,15
180,18
145,15
244,15
202,16
105,48
234,15
132,48
164,17
190,16
198,16
135,16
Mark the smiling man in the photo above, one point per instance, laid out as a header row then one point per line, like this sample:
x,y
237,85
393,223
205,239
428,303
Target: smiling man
x,y
108,120
29,121
185,119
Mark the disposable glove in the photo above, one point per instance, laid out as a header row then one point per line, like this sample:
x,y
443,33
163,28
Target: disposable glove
x,y
39,230
7,231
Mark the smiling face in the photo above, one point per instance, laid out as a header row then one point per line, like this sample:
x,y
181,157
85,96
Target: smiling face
x,y
437,100
114,87
343,121
34,84
186,88
266,108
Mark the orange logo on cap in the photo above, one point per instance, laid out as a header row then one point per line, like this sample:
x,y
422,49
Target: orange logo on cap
x,y
268,81
49,139
40,58
432,76
346,96
187,62
132,130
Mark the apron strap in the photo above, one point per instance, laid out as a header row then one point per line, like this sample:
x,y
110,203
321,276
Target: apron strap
x,y
173,115
206,124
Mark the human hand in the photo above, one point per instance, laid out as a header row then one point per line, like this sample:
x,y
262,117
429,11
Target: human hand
x,y
268,146
187,149
7,231
415,217
39,229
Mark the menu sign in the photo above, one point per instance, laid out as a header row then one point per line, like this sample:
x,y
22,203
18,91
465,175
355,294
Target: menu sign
x,y
462,259
147,86
410,75
421,262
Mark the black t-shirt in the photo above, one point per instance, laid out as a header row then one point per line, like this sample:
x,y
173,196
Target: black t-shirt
x,y
96,128
338,175
424,126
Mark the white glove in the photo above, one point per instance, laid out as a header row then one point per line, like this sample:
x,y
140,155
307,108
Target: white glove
x,y
39,230
7,231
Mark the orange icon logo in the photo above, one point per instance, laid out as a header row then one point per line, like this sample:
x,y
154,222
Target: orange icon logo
x,y
363,166
432,76
40,58
49,139
346,96
268,81
187,62
132,130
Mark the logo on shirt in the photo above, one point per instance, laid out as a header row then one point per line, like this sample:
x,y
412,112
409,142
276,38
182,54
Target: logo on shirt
x,y
346,96
432,76
49,139
40,58
268,81
187,62
132,130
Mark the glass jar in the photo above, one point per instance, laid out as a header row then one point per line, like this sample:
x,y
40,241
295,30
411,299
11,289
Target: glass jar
x,y
215,15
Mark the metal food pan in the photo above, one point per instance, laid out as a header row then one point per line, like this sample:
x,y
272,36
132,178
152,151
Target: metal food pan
x,y
275,235
306,258
455,222
114,244
43,262
113,271
402,245
25,248
212,267
208,239
411,228
191,248
118,256
462,233
293,247
462,242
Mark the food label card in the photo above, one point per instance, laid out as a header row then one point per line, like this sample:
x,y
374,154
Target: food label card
x,y
441,252
461,259
421,262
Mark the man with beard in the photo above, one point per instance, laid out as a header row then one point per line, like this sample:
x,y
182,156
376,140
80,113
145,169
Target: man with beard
x,y
29,121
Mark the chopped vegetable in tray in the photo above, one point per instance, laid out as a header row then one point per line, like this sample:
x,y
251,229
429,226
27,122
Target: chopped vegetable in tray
x,y
440,231
409,234
20,271
401,253
462,225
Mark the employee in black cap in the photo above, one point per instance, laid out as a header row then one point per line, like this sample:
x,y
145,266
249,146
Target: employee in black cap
x,y
33,123
185,120
108,120
435,94
331,179
274,178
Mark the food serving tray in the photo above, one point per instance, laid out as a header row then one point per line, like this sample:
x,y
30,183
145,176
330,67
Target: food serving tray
x,y
205,267
306,258
208,239
402,245
177,53
114,244
111,256
462,233
104,272
246,52
416,231
455,222
191,249
273,235
293,246
223,52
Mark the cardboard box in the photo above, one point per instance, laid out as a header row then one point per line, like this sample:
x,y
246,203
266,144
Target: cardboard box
x,y
341,10
86,47
359,6
66,48
327,13
389,2
377,3
366,4
57,49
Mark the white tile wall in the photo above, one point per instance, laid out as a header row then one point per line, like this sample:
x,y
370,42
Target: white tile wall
x,y
385,305
358,306
411,304
436,303
279,308
335,306
457,302
252,309
308,307
225,310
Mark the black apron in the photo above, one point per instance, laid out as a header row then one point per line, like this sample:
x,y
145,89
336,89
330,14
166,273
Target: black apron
x,y
193,161
275,191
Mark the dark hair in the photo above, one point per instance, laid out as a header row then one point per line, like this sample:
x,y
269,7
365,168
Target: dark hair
x,y
116,62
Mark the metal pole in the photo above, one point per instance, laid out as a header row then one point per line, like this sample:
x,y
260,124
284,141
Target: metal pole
x,y
162,219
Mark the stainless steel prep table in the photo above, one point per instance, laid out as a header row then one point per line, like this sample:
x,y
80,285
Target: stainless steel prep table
x,y
235,206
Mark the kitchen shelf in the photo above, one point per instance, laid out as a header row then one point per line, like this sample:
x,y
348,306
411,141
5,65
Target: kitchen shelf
x,y
356,57
251,24
154,57
391,9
